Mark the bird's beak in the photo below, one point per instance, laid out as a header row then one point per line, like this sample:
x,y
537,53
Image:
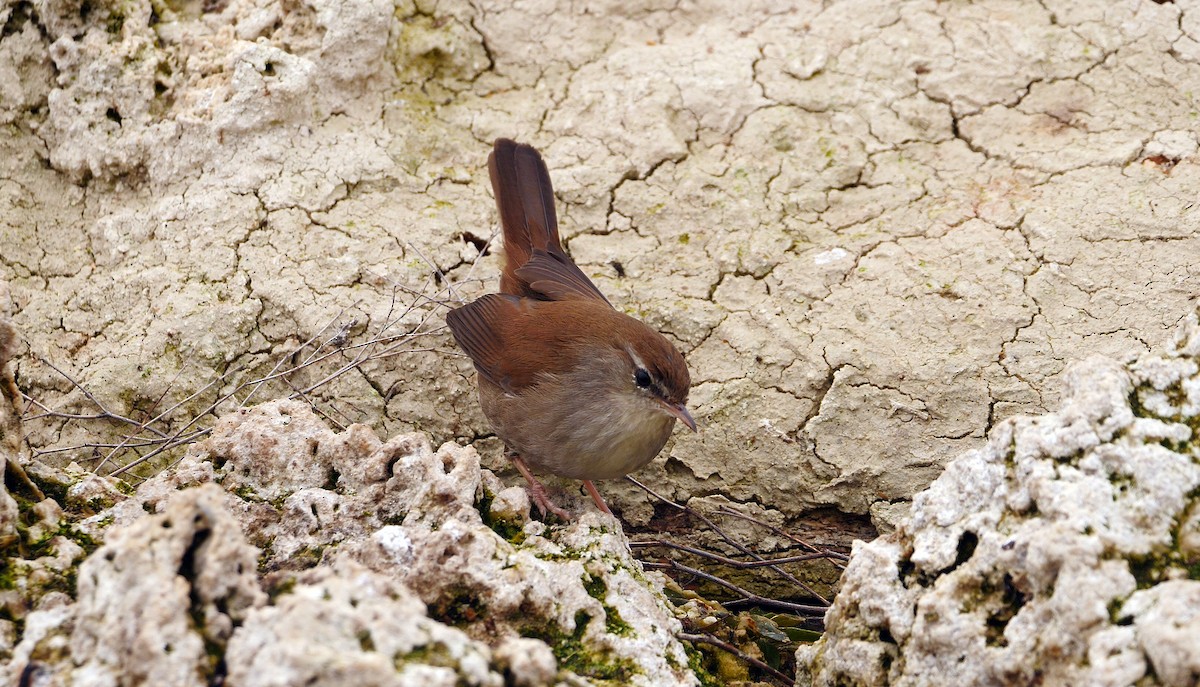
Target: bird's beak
x,y
680,411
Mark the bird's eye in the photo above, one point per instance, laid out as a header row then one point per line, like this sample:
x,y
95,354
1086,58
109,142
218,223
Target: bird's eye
x,y
642,378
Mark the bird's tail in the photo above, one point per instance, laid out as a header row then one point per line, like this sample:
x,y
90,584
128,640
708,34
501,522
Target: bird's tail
x,y
525,199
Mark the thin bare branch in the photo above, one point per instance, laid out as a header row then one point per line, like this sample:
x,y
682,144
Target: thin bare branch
x,y
726,646
732,542
724,560
87,394
802,609
833,556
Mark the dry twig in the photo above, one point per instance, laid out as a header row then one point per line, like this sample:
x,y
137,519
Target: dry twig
x,y
726,646
300,372
721,625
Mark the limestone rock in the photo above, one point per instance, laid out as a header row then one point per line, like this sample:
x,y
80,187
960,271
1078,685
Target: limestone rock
x,y
9,425
529,661
344,624
1063,552
415,515
269,462
279,552
162,593
8,510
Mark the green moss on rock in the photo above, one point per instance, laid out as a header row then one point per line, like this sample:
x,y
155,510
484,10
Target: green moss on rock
x,y
575,656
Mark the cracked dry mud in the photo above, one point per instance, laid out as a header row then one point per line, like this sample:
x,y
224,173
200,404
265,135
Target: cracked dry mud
x,y
875,228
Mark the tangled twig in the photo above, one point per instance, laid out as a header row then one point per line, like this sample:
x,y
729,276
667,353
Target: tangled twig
x,y
739,556
726,646
326,356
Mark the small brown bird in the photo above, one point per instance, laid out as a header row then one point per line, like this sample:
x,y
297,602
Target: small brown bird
x,y
572,386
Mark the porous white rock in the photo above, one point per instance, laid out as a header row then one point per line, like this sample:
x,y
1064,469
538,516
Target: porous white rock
x,y
8,507
151,603
274,453
386,563
413,514
529,661
1060,553
511,503
8,420
344,624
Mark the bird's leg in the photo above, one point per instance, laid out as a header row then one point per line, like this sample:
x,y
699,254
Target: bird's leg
x,y
587,483
537,492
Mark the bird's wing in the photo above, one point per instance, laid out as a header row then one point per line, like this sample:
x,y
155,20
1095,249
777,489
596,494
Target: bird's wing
x,y
554,276
511,345
479,328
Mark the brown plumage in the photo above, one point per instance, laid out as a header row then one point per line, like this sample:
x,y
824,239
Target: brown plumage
x,y
572,386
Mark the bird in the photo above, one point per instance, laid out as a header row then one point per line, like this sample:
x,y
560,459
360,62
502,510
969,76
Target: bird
x,y
571,385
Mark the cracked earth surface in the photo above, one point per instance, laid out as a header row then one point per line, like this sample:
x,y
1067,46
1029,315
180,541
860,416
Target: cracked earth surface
x,y
875,228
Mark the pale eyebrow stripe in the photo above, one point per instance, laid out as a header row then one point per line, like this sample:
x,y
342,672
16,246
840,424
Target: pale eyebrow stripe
x,y
636,360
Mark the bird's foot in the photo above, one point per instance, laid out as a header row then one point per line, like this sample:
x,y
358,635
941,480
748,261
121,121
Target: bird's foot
x,y
591,489
537,492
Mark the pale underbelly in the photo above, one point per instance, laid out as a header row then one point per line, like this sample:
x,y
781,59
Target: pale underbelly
x,y
604,445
